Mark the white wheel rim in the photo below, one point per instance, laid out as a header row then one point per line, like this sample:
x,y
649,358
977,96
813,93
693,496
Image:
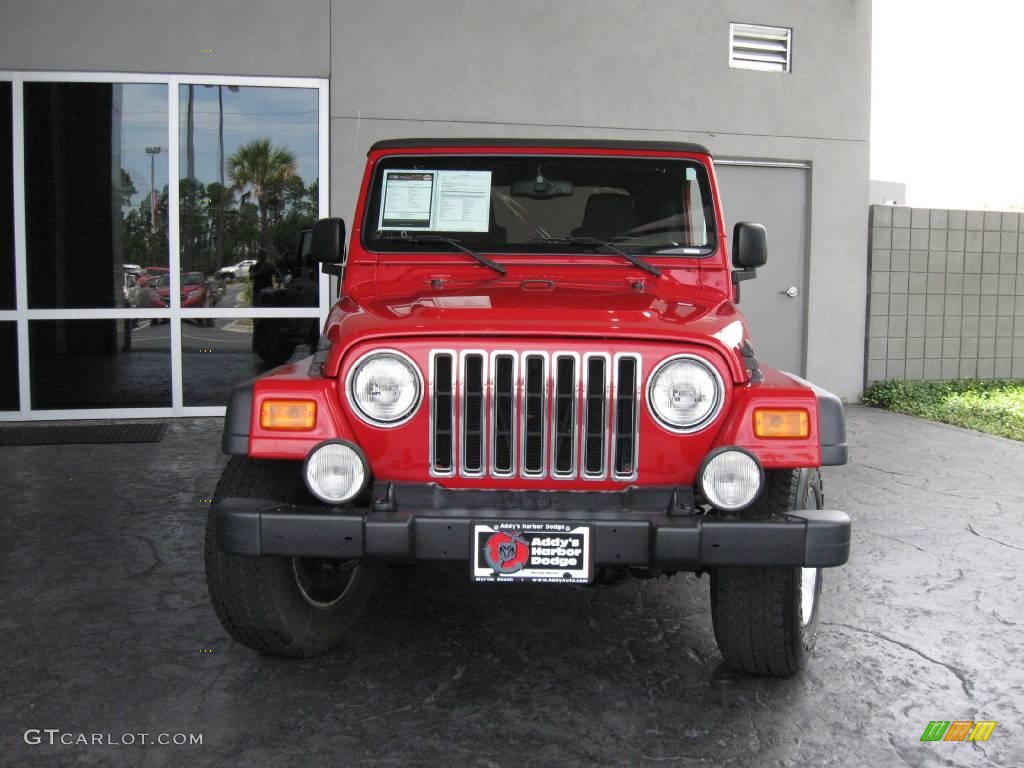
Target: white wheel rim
x,y
809,576
309,598
808,594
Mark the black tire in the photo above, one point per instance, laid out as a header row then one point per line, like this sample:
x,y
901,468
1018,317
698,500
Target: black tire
x,y
281,605
271,342
762,624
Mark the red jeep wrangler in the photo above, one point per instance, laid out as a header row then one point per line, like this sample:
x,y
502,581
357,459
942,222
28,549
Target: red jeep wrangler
x,y
536,365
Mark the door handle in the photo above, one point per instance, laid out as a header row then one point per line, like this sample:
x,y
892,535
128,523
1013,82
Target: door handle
x,y
792,292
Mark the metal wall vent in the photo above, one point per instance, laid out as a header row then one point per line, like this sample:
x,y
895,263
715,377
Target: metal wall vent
x,y
768,49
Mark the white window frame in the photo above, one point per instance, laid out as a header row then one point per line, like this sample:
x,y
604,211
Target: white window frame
x,y
22,315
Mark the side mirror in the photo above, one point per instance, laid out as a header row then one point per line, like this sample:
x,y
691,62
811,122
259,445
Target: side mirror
x,y
749,251
749,246
329,244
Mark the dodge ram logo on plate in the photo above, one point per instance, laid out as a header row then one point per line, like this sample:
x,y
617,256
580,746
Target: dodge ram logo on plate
x,y
521,551
507,553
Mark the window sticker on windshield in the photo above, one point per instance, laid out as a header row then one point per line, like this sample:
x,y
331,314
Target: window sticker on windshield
x,y
408,200
463,201
436,201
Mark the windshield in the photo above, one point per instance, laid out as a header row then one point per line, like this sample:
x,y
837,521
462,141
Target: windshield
x,y
540,204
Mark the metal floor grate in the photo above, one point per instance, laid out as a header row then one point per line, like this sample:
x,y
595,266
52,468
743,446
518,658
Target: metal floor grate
x,y
82,433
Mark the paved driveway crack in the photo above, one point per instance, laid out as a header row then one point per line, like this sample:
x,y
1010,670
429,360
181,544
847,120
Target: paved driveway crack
x,y
955,671
157,560
893,538
960,576
899,752
891,472
201,699
989,538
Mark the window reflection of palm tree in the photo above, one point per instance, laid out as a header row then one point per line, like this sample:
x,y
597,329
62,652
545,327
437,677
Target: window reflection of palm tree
x,y
219,247
188,256
190,171
264,169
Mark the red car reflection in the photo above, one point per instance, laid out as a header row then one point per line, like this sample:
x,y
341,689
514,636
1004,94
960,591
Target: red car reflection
x,y
149,274
195,293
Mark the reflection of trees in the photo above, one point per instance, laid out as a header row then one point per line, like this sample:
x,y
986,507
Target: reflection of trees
x,y
191,194
128,189
213,217
219,201
188,188
265,170
215,229
298,209
143,242
215,220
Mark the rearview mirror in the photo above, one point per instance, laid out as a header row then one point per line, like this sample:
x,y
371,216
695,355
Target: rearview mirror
x,y
749,246
541,188
329,241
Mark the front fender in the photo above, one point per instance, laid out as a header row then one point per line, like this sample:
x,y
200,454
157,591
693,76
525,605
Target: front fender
x,y
243,434
825,444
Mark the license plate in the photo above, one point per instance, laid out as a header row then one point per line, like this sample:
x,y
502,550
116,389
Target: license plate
x,y
531,551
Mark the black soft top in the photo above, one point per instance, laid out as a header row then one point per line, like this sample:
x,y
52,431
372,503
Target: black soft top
x,y
659,146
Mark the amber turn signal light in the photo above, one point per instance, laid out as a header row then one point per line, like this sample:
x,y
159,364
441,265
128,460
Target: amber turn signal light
x,y
781,423
288,414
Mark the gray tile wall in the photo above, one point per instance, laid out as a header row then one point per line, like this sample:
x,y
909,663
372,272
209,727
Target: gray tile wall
x,y
946,294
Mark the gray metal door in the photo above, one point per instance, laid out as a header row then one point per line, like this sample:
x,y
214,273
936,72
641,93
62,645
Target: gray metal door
x,y
775,303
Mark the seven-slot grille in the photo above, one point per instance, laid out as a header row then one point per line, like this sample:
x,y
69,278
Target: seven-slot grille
x,y
534,414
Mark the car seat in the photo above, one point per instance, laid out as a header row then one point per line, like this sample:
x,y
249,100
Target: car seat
x,y
607,214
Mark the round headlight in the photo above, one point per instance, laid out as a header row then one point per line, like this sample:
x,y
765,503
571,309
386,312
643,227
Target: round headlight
x,y
685,393
385,388
731,479
335,472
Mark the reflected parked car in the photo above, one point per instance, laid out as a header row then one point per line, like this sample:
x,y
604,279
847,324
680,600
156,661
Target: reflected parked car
x,y
130,289
155,293
149,274
237,271
195,293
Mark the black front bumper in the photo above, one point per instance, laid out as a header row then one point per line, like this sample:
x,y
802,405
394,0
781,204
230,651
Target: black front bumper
x,y
653,527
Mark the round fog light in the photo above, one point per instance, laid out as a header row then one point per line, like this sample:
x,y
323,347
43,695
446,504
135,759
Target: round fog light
x,y
731,479
335,472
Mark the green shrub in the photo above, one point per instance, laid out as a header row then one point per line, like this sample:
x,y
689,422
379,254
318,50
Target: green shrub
x,y
995,407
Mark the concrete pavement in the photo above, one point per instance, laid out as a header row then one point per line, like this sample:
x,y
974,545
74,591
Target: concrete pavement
x,y
106,628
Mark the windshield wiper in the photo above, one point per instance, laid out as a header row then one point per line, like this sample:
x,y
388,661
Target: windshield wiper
x,y
407,238
594,241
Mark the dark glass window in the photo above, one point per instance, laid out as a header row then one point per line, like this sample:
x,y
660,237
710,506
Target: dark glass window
x,y
121,363
96,191
249,181
7,295
218,353
9,366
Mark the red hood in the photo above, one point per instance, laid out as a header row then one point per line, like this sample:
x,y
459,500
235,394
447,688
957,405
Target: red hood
x,y
165,290
540,308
